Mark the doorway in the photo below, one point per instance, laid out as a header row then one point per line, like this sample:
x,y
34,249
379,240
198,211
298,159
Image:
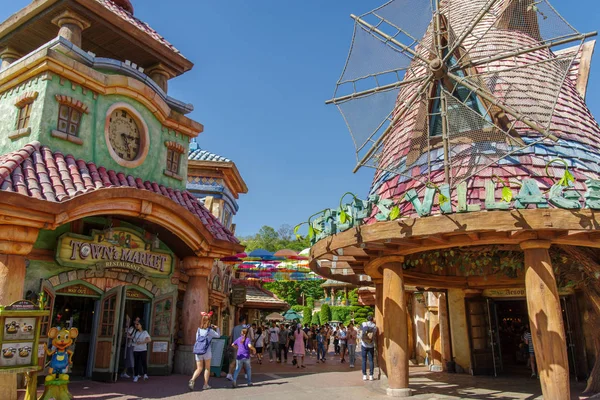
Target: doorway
x,y
78,312
512,320
133,309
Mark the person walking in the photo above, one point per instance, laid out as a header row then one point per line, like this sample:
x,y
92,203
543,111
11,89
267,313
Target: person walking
x,y
351,336
259,344
321,345
342,342
529,341
291,331
244,347
129,362
283,343
232,355
300,338
328,333
140,339
336,341
273,340
369,333
202,351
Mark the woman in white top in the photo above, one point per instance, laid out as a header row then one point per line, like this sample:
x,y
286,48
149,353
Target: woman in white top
x,y
140,340
259,344
208,331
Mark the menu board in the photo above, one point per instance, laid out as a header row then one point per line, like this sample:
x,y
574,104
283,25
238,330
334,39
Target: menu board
x,y
217,347
160,347
19,328
16,354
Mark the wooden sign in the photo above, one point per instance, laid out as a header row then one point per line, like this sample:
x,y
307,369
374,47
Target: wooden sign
x,y
78,289
22,305
136,294
238,295
119,248
518,292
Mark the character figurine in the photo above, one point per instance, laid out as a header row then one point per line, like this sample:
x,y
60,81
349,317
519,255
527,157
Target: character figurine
x,y
62,339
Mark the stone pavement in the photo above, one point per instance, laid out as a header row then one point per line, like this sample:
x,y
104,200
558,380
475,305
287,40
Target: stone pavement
x,y
331,380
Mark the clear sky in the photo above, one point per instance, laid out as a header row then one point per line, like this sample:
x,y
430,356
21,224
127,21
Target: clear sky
x,y
263,70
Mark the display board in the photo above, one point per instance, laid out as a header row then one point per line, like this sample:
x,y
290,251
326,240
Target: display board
x,y
19,336
217,347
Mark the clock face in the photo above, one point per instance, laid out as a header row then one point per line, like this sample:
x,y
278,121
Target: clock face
x,y
124,135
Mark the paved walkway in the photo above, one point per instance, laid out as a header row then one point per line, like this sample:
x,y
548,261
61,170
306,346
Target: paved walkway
x,y
331,380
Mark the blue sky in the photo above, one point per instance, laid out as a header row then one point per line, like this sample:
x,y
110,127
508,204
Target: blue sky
x,y
263,70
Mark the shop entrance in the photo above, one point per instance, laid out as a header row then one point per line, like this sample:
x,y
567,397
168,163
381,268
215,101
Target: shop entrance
x,y
75,306
134,308
496,329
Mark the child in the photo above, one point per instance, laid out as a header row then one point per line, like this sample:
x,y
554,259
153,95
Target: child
x,y
321,345
244,348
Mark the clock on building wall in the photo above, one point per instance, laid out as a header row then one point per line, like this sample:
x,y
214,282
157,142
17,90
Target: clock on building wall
x,y
126,135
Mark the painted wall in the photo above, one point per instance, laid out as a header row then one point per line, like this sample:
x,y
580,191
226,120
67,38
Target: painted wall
x,y
44,119
9,113
458,325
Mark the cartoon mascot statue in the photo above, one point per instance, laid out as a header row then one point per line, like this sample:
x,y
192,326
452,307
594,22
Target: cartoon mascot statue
x,y
57,380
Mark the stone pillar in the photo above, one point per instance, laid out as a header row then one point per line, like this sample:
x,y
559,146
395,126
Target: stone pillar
x,y
435,354
15,243
8,56
446,347
379,321
71,26
161,75
195,300
545,320
460,331
395,330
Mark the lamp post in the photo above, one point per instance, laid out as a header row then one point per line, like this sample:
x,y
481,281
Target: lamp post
x,y
302,295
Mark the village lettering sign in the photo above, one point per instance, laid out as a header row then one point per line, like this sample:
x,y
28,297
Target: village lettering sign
x,y
561,195
119,248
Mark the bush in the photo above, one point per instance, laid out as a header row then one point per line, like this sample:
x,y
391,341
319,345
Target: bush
x,y
310,302
315,319
306,315
297,308
325,316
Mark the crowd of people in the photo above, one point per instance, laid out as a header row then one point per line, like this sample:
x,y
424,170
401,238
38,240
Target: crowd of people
x,y
281,342
296,341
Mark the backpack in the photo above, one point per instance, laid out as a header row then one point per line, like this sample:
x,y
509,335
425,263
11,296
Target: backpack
x,y
202,343
369,335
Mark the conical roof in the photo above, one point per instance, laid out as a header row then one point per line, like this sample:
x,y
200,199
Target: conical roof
x,y
336,284
521,80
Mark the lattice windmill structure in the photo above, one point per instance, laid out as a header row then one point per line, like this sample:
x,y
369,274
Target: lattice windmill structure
x,y
447,90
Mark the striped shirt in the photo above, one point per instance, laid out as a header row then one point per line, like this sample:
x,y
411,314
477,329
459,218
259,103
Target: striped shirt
x,y
527,337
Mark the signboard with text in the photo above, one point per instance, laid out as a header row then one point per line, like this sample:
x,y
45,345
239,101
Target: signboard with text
x,y
238,295
118,248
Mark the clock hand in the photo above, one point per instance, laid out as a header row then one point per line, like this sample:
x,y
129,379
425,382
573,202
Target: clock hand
x,y
124,136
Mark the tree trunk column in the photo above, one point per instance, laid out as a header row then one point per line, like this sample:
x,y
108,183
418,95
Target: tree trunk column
x,y
195,299
545,320
379,321
395,330
444,330
15,243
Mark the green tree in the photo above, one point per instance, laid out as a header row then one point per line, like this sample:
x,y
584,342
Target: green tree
x,y
290,291
315,319
298,308
325,313
310,302
306,315
272,240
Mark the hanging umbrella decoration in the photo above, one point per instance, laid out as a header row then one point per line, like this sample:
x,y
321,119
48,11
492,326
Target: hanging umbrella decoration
x,y
262,265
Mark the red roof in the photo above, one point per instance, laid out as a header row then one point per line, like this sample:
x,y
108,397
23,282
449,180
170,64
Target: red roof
x,y
141,25
35,171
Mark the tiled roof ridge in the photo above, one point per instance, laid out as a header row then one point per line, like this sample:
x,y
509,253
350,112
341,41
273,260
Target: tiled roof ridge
x,y
205,155
35,171
138,23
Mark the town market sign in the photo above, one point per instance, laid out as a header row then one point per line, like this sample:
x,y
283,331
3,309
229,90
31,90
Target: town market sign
x,y
117,249
561,195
